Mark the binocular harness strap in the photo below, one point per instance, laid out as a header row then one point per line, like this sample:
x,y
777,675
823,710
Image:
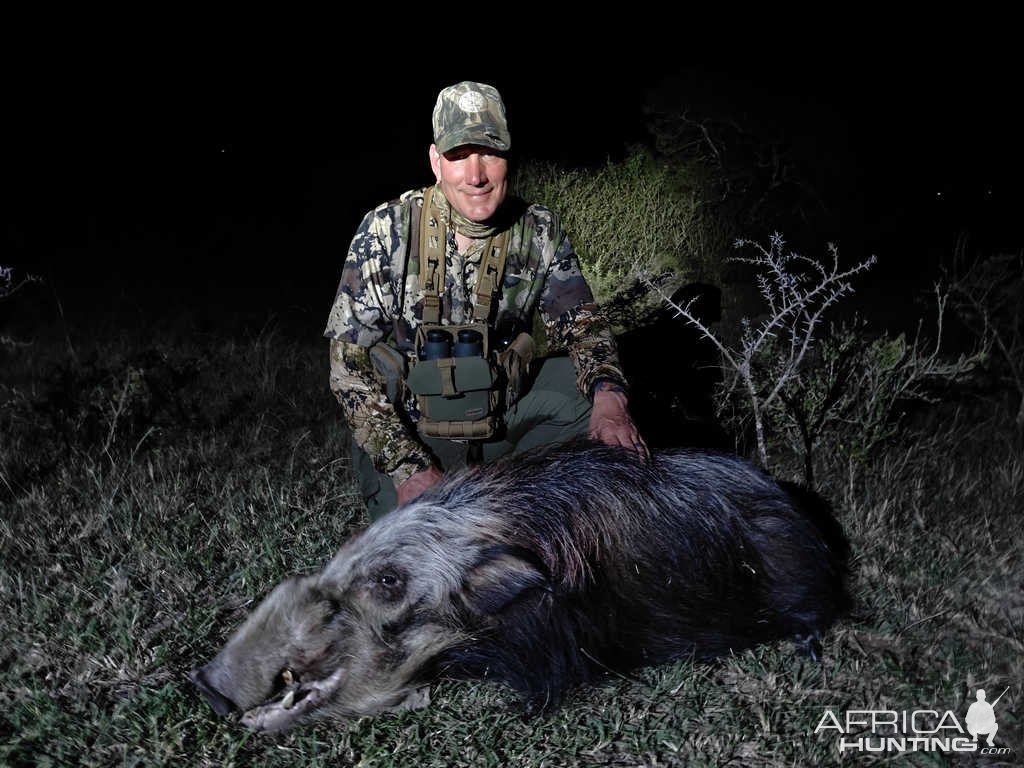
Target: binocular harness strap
x,y
433,236
488,279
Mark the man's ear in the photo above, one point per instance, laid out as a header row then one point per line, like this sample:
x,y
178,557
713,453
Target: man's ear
x,y
435,161
502,576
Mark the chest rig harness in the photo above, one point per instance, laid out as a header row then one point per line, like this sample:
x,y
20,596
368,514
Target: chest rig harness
x,y
463,377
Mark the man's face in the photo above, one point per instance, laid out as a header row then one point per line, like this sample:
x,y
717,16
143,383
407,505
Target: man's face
x,y
473,178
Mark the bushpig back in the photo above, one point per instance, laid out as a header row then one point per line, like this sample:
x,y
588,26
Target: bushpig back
x,y
693,554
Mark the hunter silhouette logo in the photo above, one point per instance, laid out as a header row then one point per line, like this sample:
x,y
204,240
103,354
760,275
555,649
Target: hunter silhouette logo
x,y
981,716
917,730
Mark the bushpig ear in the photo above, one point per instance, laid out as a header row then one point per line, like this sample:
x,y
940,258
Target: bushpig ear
x,y
503,575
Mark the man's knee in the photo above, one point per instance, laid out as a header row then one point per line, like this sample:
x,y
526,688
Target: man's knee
x,y
553,398
553,411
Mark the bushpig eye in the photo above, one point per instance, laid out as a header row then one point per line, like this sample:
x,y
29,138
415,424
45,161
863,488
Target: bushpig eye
x,y
387,585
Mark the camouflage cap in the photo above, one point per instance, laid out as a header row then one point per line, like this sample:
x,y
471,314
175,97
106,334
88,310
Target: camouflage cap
x,y
470,113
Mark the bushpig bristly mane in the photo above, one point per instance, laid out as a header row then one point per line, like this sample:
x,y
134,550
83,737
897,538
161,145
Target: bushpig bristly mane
x,y
543,572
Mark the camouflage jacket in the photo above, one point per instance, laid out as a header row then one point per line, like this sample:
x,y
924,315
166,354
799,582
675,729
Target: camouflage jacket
x,y
380,299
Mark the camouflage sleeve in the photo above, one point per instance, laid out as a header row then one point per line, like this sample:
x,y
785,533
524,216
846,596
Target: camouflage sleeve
x,y
360,318
375,425
366,299
574,321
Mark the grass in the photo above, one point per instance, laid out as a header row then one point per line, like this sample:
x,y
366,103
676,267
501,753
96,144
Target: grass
x,y
150,494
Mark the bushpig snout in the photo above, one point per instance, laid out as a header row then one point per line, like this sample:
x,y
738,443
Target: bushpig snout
x,y
221,704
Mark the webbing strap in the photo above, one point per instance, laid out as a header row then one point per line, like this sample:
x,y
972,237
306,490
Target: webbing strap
x,y
433,236
457,430
492,267
431,254
446,367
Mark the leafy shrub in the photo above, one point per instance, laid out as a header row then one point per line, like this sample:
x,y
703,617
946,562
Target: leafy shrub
x,y
628,216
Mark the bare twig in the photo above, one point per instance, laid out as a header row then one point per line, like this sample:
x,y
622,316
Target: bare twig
x,y
8,285
798,291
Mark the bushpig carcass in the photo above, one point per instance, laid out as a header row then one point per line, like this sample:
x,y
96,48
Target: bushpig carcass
x,y
543,572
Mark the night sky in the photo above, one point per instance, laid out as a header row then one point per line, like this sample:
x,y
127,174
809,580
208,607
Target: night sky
x,y
235,187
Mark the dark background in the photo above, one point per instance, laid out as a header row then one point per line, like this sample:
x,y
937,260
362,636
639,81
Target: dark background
x,y
225,189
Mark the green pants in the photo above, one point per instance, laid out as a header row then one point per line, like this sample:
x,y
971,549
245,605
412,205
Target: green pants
x,y
553,411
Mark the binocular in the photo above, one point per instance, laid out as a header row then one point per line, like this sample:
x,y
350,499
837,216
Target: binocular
x,y
440,343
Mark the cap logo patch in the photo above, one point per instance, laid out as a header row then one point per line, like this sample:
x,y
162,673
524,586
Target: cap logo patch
x,y
472,101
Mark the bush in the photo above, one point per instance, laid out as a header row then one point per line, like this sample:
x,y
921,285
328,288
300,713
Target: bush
x,y
855,390
796,390
988,297
626,216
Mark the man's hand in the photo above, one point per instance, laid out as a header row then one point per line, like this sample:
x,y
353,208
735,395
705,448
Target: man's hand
x,y
610,422
417,484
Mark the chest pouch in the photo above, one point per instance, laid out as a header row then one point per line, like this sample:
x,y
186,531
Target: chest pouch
x,y
457,385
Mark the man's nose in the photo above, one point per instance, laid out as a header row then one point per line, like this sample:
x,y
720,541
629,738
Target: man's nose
x,y
475,173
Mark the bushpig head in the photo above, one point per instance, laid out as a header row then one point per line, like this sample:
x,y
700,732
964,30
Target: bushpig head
x,y
362,637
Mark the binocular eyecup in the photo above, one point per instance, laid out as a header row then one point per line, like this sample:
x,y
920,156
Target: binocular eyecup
x,y
439,343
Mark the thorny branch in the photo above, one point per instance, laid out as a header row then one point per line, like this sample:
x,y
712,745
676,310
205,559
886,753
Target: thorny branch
x,y
798,290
